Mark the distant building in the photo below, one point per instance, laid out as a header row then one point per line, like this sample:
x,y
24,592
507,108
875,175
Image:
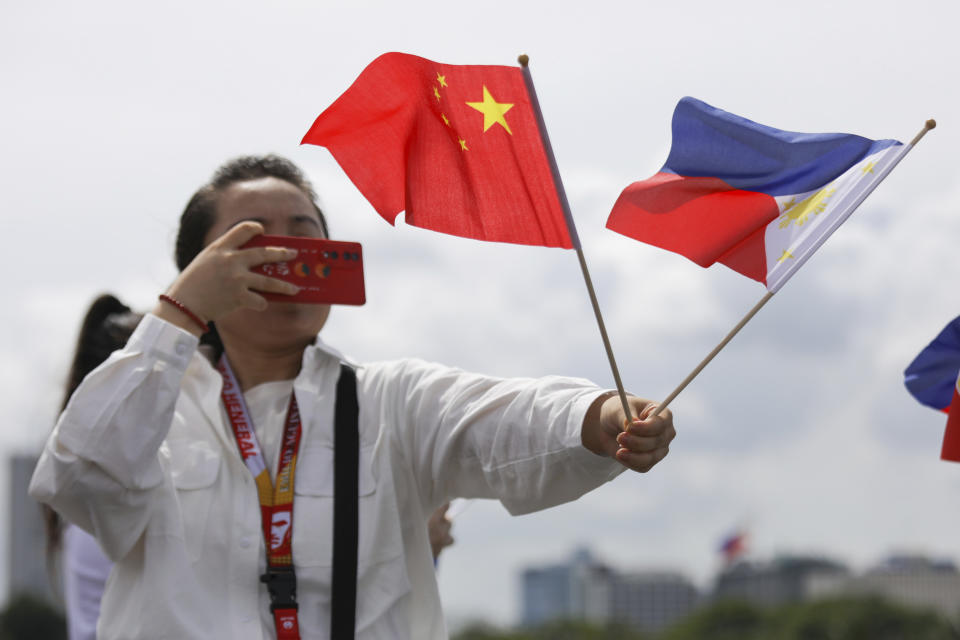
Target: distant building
x,y
910,580
652,600
782,580
585,589
577,590
27,561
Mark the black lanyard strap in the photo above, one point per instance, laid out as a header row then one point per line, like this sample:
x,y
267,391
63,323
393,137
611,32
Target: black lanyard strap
x,y
346,468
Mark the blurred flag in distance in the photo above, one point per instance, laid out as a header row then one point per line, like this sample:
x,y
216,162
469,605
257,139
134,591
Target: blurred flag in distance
x,y
733,546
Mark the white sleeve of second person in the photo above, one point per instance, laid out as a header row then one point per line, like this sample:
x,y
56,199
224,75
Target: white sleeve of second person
x,y
467,435
85,571
100,466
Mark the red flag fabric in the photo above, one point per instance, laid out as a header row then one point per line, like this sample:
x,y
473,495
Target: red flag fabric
x,y
456,147
951,436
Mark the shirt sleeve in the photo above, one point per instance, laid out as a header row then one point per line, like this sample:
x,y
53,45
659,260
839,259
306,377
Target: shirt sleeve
x,y
467,435
100,466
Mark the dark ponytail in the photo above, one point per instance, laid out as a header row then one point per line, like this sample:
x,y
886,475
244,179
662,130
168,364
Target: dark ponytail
x,y
106,328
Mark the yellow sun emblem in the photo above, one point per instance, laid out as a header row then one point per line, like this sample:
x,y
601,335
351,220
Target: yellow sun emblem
x,y
799,212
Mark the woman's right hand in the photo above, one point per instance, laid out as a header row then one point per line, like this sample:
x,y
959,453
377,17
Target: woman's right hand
x,y
219,280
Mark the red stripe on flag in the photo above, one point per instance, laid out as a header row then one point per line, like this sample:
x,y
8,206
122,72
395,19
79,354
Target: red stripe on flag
x,y
951,436
701,218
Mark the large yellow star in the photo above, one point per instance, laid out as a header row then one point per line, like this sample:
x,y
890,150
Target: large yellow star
x,y
492,111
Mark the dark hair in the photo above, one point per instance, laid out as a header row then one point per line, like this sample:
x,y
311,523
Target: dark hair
x,y
199,214
106,328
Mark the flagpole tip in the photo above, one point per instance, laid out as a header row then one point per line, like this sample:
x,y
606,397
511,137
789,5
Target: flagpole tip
x,y
524,59
931,124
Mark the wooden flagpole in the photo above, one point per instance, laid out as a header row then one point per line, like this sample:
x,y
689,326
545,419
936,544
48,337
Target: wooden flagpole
x,y
929,124
572,229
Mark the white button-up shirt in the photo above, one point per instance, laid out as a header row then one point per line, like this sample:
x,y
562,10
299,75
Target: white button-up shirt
x,y
143,458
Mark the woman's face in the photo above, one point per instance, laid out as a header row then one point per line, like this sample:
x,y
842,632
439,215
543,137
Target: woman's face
x,y
285,210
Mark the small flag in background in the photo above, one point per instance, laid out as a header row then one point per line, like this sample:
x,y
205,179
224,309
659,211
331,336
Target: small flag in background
x,y
733,546
456,147
757,199
932,378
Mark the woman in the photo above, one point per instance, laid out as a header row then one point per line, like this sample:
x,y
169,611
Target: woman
x,y
148,459
106,327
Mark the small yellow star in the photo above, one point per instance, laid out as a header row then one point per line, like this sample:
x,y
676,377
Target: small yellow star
x,y
446,121
463,144
441,79
436,92
786,254
492,111
868,168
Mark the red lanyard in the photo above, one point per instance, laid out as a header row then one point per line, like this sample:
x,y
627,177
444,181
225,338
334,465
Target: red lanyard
x,y
276,501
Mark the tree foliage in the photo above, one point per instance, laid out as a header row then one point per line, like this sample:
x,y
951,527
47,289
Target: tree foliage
x,y
723,621
27,617
853,619
838,619
557,630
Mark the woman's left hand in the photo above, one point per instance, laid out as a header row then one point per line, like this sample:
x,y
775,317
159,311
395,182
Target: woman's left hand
x,y
637,444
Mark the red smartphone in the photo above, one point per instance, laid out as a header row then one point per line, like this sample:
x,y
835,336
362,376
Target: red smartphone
x,y
327,271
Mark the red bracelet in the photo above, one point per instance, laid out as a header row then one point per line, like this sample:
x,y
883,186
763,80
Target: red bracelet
x,y
187,312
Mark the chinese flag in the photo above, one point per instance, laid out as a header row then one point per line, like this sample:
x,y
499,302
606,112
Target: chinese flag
x,y
456,147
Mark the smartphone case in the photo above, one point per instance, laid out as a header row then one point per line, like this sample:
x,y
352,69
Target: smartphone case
x,y
327,271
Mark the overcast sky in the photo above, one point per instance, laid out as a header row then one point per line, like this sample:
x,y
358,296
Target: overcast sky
x,y
114,112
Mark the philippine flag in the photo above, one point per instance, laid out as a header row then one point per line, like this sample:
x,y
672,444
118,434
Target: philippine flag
x,y
932,378
757,199
733,546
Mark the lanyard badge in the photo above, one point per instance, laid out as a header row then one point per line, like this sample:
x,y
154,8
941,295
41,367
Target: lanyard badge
x,y
276,499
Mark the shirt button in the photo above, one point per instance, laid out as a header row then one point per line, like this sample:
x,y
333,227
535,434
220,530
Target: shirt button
x,y
245,542
180,348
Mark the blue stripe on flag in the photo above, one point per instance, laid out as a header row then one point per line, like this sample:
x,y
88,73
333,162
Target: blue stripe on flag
x,y
932,375
747,155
